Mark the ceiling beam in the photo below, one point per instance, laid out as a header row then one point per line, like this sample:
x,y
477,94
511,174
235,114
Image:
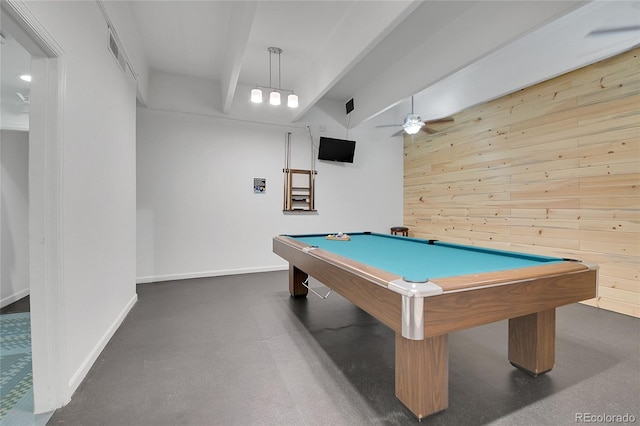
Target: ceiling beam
x,y
240,23
346,46
477,30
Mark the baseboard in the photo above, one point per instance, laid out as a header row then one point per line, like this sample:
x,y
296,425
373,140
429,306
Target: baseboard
x,y
14,298
206,274
81,373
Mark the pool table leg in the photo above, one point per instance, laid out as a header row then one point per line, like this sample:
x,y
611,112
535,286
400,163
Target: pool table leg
x,y
296,277
532,342
422,374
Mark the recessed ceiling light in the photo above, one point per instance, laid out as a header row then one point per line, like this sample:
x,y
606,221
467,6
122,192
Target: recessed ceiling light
x,y
25,77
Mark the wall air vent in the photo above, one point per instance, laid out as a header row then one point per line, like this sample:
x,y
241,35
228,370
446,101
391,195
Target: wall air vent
x,y
114,48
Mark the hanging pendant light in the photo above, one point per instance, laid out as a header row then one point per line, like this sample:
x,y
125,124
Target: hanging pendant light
x,y
292,101
275,97
256,96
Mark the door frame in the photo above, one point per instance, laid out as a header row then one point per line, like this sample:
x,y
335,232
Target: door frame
x,y
50,388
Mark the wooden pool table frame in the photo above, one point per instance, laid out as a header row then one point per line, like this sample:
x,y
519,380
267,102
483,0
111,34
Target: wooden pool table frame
x,y
526,296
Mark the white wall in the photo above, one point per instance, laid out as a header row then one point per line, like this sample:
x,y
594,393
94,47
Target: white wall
x,y
14,214
197,213
94,149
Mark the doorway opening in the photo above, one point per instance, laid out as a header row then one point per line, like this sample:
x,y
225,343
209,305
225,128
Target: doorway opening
x,y
42,219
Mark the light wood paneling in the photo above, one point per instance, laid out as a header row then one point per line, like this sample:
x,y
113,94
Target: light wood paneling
x,y
552,169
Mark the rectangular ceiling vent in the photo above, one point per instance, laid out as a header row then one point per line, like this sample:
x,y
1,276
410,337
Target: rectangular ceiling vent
x,y
114,48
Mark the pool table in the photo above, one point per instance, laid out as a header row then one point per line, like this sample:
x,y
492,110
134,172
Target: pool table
x,y
424,289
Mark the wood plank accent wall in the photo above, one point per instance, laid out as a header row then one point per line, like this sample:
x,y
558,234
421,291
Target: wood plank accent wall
x,y
552,169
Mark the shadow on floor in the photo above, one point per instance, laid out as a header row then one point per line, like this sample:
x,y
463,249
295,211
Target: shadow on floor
x,y
483,386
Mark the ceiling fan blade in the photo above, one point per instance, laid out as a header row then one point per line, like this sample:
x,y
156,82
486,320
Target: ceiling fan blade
x,y
390,125
398,133
429,130
604,31
440,120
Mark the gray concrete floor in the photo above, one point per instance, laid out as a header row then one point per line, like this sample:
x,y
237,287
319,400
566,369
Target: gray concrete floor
x,y
22,305
238,350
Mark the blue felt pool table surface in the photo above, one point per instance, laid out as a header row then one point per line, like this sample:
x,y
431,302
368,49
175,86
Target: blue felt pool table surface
x,y
418,260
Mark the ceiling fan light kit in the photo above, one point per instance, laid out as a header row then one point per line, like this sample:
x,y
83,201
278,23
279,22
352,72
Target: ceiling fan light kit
x,y
412,129
274,92
413,124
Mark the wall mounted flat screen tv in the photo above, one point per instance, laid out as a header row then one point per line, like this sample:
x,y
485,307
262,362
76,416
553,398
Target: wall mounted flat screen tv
x,y
331,149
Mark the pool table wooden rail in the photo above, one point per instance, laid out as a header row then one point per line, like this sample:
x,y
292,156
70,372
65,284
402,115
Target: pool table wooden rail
x,y
467,300
512,298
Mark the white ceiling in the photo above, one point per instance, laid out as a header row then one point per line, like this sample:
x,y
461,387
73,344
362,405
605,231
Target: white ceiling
x,y
449,54
382,52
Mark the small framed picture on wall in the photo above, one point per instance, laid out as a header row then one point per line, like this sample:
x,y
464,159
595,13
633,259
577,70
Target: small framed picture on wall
x,y
259,185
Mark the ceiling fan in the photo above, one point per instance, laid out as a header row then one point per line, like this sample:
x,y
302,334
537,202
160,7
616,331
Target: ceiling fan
x,y
413,124
614,30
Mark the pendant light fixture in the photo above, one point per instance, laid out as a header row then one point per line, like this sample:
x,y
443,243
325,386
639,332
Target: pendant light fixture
x,y
275,93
